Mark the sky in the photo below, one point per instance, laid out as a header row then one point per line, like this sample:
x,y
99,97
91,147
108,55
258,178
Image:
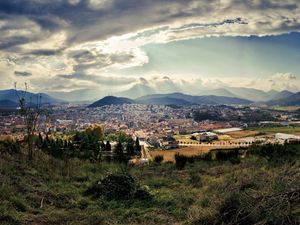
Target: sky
x,y
107,46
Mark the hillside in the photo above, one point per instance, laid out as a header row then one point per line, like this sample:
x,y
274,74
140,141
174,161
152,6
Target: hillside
x,y
282,94
10,97
111,100
190,99
164,101
7,104
292,100
253,190
251,94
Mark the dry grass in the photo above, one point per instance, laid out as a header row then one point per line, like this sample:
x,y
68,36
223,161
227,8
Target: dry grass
x,y
242,134
187,151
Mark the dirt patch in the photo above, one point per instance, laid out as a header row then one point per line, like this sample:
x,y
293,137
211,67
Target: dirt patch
x,y
242,134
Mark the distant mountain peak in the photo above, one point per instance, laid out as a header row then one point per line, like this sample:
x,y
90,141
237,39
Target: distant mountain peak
x,y
11,96
111,100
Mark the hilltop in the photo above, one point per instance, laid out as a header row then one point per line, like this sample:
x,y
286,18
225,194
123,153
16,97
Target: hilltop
x,y
111,100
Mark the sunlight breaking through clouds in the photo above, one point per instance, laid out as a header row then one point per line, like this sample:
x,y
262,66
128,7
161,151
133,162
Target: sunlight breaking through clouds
x,y
93,39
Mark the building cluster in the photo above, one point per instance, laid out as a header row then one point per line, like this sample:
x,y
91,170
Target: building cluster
x,y
156,124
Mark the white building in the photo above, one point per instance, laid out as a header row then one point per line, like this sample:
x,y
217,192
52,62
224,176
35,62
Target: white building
x,y
228,130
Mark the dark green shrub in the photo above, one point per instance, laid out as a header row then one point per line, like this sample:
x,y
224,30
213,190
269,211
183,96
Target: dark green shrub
x,y
142,194
195,179
224,155
18,204
231,211
207,156
191,159
83,204
159,158
8,219
10,147
276,153
180,161
114,187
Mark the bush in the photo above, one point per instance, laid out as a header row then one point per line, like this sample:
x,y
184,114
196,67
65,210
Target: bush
x,y
159,158
207,156
18,204
276,153
117,187
195,179
114,187
228,155
228,210
180,161
142,194
83,204
10,147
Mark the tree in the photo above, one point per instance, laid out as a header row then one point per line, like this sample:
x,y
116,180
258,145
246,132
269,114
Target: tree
x,y
95,131
102,146
107,147
130,147
31,113
119,153
137,146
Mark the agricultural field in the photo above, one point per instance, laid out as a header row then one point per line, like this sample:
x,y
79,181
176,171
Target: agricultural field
x,y
185,138
286,108
272,130
187,151
242,134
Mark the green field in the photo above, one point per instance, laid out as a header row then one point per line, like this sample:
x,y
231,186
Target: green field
x,y
286,108
287,130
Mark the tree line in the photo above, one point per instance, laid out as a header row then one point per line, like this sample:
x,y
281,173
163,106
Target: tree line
x,y
90,145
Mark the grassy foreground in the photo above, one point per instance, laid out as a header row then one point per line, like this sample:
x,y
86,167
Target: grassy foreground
x,y
254,191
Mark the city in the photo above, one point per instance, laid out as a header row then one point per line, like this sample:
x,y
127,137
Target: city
x,y
165,127
149,112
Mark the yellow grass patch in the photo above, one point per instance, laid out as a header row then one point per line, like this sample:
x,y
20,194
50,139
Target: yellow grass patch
x,y
242,134
187,151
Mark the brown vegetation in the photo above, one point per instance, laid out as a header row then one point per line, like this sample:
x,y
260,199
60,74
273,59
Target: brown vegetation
x,y
242,134
187,151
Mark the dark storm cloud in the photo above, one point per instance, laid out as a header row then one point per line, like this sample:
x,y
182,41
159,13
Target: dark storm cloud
x,y
22,74
84,37
87,22
44,52
12,42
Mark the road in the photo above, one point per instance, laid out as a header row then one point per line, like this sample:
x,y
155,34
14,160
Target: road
x,y
145,150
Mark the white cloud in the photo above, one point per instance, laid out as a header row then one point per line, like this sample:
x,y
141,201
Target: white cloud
x,y
284,76
96,37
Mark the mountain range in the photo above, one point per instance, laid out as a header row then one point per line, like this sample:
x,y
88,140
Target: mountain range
x,y
233,95
9,98
293,100
252,94
178,99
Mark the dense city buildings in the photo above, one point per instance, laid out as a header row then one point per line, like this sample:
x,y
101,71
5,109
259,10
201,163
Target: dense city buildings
x,y
156,124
